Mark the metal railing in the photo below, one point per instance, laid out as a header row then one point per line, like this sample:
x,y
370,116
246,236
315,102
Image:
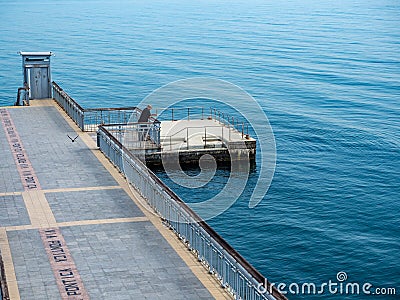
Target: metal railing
x,y
199,112
22,94
180,113
230,120
233,272
71,107
89,119
136,135
93,117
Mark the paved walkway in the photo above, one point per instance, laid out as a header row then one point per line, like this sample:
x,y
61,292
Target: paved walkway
x,y
70,228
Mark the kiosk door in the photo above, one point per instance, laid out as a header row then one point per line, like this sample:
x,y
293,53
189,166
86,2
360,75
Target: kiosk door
x,y
39,83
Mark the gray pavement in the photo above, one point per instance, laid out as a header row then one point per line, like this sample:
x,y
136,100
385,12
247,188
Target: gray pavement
x,y
57,161
142,265
10,180
13,211
92,205
128,259
32,267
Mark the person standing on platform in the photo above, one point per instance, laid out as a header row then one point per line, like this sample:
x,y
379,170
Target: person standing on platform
x,y
144,118
145,115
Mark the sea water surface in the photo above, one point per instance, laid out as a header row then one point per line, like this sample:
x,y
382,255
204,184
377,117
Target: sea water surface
x,y
327,75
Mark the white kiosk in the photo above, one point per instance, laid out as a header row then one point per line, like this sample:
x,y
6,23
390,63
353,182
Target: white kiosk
x,y
37,76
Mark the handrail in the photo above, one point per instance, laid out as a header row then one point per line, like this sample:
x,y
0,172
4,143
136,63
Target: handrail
x,y
229,120
145,129
19,93
221,259
174,109
77,113
216,114
58,88
88,119
110,108
70,106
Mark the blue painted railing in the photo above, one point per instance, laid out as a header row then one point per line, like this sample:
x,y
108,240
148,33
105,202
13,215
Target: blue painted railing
x,y
143,135
70,106
234,273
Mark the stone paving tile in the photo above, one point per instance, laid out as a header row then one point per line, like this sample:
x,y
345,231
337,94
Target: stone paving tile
x,y
130,261
56,160
34,275
92,205
13,211
10,180
115,261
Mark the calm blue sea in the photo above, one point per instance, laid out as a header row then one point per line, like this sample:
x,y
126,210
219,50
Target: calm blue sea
x,y
326,73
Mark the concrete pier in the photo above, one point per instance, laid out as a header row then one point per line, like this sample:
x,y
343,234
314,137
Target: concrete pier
x,y
71,228
191,139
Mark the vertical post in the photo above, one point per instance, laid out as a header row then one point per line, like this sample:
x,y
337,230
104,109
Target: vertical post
x,y
205,137
242,129
159,134
187,138
82,121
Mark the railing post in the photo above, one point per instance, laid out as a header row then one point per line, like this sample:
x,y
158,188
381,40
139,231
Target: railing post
x,y
187,138
158,133
205,137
